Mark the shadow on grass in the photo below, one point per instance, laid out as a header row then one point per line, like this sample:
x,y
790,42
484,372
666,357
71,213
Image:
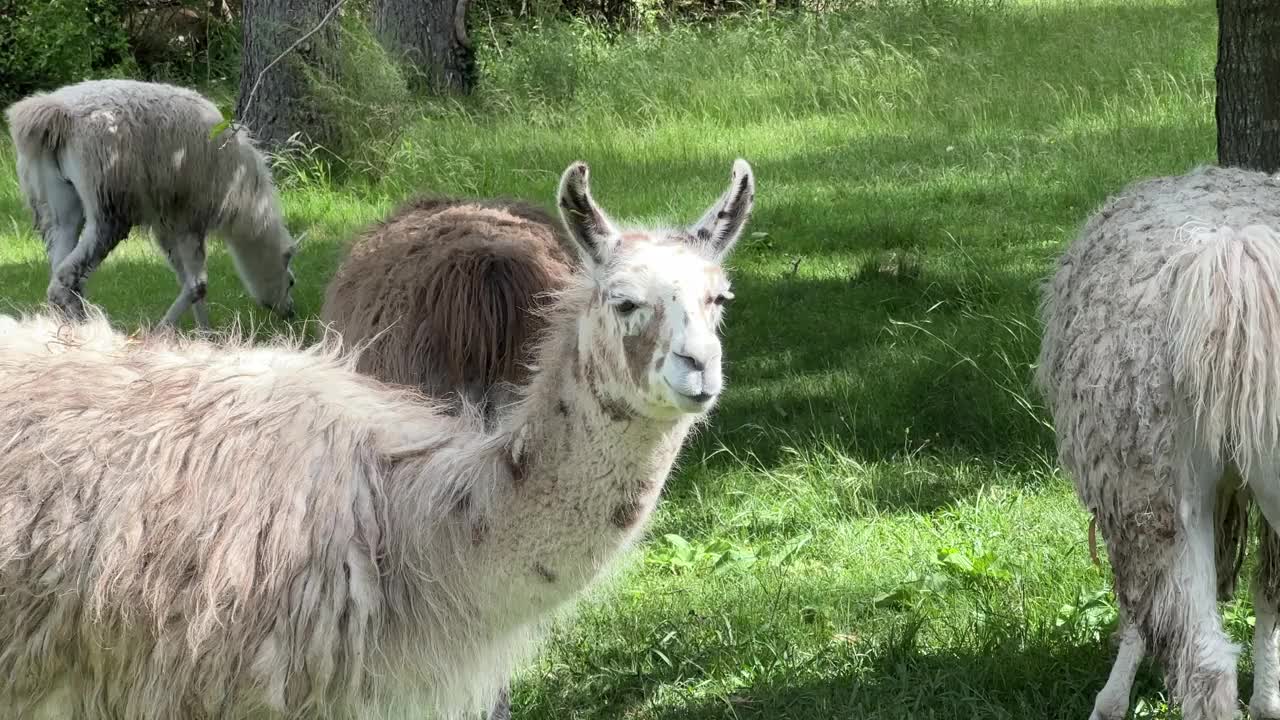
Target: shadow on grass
x,y
882,361
1045,679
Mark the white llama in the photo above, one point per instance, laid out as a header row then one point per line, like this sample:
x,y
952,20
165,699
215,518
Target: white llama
x,y
201,530
97,158
1159,364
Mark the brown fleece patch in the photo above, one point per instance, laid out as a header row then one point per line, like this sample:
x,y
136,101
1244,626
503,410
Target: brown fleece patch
x,y
626,515
614,409
479,532
459,284
1268,562
639,348
1231,530
545,572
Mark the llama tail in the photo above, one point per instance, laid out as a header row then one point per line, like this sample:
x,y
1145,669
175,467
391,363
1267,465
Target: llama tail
x,y
38,124
1225,327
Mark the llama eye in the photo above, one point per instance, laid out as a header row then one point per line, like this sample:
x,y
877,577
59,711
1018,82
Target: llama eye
x,y
722,299
626,307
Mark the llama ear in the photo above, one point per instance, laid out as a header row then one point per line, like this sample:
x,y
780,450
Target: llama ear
x,y
723,222
587,224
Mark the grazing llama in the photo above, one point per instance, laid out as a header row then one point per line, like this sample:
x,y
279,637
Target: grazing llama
x,y
98,157
197,530
1158,363
446,295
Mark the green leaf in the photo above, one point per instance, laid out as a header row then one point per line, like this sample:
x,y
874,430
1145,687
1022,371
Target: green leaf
x,y
216,130
899,598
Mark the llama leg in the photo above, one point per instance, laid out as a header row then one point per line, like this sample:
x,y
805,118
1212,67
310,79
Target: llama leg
x,y
1265,702
1181,621
102,232
502,707
1264,484
185,253
180,306
191,251
1112,703
60,224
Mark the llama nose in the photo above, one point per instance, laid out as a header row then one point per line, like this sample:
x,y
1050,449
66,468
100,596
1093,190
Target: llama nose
x,y
694,363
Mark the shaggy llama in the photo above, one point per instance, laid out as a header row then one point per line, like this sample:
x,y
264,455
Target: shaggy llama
x,y
99,157
446,294
212,531
1158,363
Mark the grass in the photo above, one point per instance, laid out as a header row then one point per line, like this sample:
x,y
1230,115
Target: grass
x,y
873,525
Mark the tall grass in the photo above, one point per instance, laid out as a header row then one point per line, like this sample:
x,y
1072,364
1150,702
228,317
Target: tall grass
x,y
872,526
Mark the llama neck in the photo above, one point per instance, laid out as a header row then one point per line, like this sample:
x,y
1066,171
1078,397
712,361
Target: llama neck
x,y
585,473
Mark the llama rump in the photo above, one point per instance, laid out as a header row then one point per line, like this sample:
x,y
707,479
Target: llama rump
x,y
203,529
97,158
447,295
1159,366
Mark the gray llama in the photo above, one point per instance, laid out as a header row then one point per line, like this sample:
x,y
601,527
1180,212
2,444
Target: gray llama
x,y
99,157
1159,363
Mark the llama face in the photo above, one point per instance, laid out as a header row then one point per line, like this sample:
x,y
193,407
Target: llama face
x,y
653,328
266,266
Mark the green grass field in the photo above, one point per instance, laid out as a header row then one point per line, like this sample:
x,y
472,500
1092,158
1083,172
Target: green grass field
x,y
873,525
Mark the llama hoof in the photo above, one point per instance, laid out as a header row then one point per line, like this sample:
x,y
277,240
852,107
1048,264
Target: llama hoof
x,y
66,301
501,709
1110,706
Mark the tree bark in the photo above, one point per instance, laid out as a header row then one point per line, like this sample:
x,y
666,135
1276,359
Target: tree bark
x,y
430,36
1248,77
284,102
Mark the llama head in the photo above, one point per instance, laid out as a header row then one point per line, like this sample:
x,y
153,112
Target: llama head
x,y
657,299
265,264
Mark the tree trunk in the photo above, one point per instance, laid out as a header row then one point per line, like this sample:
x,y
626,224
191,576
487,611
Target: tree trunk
x,y
284,102
431,37
1248,76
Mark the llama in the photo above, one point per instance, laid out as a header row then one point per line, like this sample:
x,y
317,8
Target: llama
x,y
198,529
1156,365
98,157
445,294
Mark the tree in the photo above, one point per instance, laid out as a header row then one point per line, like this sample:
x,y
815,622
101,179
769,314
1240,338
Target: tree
x,y
431,37
1248,78
288,46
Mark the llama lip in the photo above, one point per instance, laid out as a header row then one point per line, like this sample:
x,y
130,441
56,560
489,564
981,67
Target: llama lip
x,y
698,402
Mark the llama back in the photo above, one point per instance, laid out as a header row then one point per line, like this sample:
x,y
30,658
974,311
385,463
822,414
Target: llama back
x,y
175,527
149,144
449,292
1119,260
116,113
